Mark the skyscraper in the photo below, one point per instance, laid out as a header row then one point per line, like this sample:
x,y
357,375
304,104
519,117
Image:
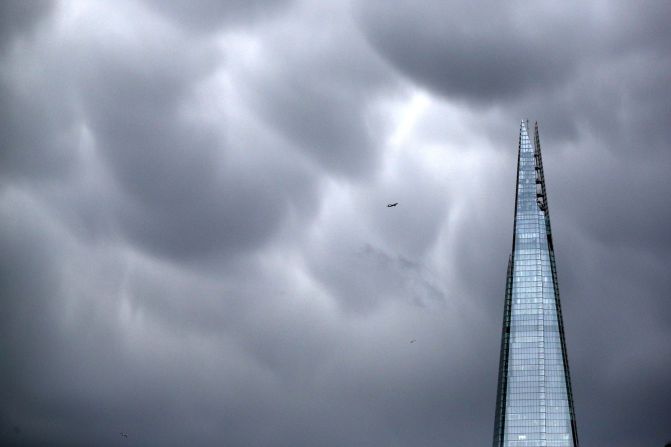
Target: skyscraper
x,y
534,402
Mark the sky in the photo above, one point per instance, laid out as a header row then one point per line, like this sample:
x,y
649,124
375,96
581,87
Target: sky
x,y
195,247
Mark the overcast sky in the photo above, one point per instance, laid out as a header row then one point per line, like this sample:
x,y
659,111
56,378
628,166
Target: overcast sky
x,y
195,247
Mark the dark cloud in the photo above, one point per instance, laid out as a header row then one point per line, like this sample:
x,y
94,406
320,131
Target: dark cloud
x,y
35,138
203,16
493,52
184,195
483,53
37,125
365,279
315,84
581,69
195,243
18,18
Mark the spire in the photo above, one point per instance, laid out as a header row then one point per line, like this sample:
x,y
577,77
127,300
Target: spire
x,y
534,399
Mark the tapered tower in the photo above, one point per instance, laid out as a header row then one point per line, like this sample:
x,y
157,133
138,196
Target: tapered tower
x,y
534,402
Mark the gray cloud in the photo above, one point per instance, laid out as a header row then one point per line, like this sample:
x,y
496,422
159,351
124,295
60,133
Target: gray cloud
x,y
484,53
195,243
204,16
315,85
600,69
18,18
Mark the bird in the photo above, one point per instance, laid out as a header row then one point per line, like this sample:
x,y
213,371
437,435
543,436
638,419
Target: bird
x,y
413,340
124,435
389,205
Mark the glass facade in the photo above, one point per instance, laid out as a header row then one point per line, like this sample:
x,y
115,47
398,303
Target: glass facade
x,y
534,400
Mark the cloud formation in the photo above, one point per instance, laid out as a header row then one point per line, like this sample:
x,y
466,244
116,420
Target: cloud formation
x,y
196,246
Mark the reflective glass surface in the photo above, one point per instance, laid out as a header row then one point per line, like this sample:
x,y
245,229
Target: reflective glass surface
x,y
536,401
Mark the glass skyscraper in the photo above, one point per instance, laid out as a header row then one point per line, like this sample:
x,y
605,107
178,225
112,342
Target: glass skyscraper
x,y
534,403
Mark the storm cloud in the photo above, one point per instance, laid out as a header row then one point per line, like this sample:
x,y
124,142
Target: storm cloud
x,y
195,244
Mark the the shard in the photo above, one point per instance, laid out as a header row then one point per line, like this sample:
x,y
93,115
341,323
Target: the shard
x,y
534,403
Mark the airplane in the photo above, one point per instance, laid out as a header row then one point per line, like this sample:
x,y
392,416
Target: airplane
x,y
389,205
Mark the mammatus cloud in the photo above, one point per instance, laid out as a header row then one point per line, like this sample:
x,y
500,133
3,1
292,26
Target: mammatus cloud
x,y
208,16
195,243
